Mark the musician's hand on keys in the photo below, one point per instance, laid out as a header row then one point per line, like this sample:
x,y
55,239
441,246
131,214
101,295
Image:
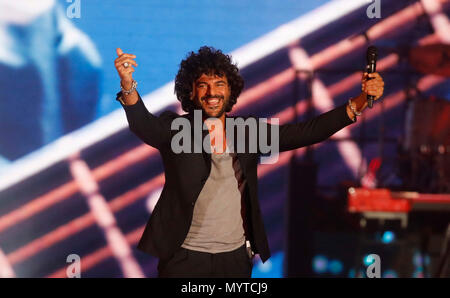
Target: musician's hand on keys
x,y
123,66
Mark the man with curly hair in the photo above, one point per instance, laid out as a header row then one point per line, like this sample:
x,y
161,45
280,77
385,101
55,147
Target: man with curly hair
x,y
207,222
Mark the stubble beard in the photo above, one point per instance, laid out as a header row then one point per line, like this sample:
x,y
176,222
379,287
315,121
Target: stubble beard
x,y
220,112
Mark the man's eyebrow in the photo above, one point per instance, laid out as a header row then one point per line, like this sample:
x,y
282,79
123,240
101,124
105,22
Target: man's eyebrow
x,y
203,82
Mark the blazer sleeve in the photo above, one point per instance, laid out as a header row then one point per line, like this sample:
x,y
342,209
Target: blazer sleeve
x,y
151,129
318,129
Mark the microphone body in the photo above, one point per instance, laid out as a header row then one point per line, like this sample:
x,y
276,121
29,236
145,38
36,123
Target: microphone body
x,y
372,55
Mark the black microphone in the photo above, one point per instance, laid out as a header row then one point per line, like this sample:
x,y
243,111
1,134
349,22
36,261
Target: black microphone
x,y
372,55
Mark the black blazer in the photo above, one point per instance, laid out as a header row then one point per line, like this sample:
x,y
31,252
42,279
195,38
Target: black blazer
x,y
186,173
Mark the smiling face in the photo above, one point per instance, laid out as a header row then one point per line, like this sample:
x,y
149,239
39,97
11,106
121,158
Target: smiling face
x,y
211,93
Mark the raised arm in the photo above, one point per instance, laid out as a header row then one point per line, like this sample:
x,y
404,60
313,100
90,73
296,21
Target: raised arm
x,y
318,129
125,70
151,129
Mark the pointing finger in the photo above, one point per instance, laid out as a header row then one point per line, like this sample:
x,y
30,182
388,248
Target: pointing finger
x,y
119,51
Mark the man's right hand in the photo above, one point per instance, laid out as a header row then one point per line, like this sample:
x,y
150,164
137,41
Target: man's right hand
x,y
125,73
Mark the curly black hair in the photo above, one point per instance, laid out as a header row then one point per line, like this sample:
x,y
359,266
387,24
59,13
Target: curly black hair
x,y
208,61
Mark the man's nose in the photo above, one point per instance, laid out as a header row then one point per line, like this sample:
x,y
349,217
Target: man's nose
x,y
211,91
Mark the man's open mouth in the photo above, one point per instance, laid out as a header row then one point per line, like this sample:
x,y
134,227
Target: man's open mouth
x,y
212,102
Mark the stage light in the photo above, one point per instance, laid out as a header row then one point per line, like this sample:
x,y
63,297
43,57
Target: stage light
x,y
388,237
320,264
419,260
266,267
390,274
418,274
351,274
368,260
272,268
335,267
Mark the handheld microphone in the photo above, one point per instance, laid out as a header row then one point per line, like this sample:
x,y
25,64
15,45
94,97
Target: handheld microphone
x,y
371,56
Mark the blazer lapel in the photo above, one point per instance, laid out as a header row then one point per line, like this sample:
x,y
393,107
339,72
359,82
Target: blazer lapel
x,y
206,155
242,157
199,142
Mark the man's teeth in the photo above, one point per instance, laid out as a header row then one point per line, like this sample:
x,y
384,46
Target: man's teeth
x,y
212,101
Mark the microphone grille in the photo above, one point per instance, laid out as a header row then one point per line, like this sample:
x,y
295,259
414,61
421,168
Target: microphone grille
x,y
372,53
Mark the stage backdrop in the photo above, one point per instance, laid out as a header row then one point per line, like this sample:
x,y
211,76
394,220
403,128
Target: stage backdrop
x,y
56,57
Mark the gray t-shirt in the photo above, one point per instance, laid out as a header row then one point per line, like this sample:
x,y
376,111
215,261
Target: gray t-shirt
x,y
217,224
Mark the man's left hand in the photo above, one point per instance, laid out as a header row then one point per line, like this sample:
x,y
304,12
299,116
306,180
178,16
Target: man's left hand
x,y
372,84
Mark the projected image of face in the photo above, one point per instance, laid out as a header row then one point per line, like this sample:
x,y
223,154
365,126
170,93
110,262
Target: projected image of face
x,y
212,93
61,68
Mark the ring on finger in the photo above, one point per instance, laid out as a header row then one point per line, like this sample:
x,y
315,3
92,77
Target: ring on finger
x,y
126,64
